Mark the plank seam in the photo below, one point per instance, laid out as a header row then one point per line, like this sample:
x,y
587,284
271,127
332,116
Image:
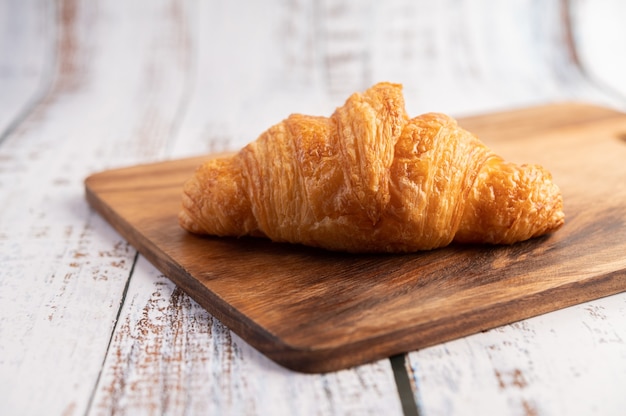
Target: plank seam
x,y
108,348
403,385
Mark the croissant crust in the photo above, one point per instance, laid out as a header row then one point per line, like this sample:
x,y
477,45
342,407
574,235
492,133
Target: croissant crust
x,y
370,179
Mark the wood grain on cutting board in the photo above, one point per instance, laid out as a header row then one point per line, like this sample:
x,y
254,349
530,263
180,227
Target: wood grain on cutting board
x,y
314,311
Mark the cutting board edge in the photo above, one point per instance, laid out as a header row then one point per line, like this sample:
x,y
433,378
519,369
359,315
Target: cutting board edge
x,y
412,338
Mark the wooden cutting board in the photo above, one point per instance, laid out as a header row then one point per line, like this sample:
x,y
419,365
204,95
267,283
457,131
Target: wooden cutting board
x,y
316,311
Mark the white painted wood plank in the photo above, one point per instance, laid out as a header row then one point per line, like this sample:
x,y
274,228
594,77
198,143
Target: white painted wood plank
x,y
570,362
459,57
600,36
64,270
255,63
475,56
169,356
26,56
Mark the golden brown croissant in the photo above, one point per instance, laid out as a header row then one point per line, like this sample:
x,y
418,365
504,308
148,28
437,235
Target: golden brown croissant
x,y
369,179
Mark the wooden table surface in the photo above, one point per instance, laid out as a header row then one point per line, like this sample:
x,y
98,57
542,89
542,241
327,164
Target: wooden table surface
x,y
88,326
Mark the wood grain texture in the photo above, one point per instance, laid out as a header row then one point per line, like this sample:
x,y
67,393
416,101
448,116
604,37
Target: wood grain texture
x,y
337,310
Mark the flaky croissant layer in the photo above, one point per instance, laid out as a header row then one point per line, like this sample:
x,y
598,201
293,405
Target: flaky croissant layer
x,y
370,179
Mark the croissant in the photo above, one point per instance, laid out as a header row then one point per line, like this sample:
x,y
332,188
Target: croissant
x,y
370,179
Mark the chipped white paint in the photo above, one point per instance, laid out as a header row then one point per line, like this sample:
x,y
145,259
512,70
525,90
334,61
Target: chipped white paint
x,y
146,80
63,268
169,356
569,362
